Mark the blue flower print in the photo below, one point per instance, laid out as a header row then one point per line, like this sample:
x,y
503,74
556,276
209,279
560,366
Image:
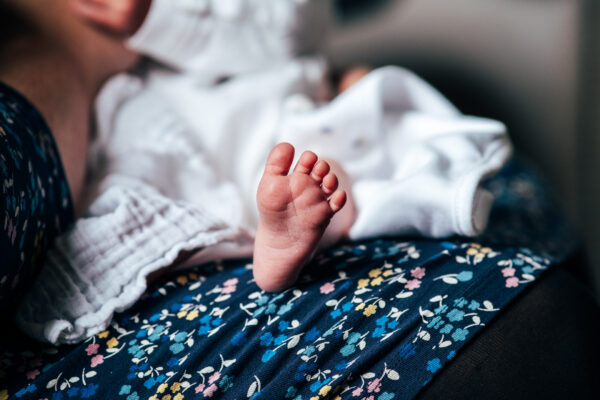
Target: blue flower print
x,y
133,396
309,350
284,309
279,339
180,337
312,334
455,315
24,391
266,339
433,365
460,302
378,332
291,392
464,276
239,339
283,325
176,348
474,305
407,350
460,334
268,355
347,350
441,309
436,322
446,329
89,391
353,338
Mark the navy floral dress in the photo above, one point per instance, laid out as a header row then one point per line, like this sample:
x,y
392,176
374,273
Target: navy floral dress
x,y
35,202
374,320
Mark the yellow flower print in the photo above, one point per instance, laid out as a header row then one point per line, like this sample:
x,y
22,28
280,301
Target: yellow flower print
x,y
162,388
387,272
103,334
4,395
178,396
374,273
472,251
181,314
112,342
377,281
153,397
324,390
370,310
314,398
338,397
182,280
478,252
166,397
360,306
363,283
193,276
175,387
192,315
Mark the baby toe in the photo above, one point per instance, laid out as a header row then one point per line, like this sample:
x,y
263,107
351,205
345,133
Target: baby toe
x,y
306,162
337,200
320,170
330,183
280,159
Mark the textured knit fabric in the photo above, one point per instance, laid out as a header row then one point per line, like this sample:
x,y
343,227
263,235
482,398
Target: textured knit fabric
x,y
35,202
101,265
370,320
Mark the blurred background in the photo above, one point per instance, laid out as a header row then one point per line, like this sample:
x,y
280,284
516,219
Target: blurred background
x,y
532,64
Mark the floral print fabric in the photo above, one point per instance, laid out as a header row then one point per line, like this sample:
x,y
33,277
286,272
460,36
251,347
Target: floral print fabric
x,y
35,202
374,320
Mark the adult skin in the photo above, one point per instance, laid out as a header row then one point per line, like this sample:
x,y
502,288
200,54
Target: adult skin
x,y
59,63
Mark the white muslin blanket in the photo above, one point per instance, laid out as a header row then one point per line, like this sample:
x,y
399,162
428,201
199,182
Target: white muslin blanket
x,y
178,158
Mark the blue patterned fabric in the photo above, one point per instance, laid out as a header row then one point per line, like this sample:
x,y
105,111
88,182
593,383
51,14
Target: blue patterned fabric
x,y
35,203
374,320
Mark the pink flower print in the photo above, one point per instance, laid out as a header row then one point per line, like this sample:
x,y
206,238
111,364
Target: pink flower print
x,y
512,282
413,284
228,289
327,288
210,390
92,349
374,386
368,398
356,392
508,271
200,388
32,374
229,286
99,359
214,377
230,282
417,272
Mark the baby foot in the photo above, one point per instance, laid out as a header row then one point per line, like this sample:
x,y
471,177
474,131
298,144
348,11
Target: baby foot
x,y
294,211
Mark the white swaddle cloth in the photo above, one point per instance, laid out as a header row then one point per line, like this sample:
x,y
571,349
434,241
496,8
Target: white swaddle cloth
x,y
181,159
